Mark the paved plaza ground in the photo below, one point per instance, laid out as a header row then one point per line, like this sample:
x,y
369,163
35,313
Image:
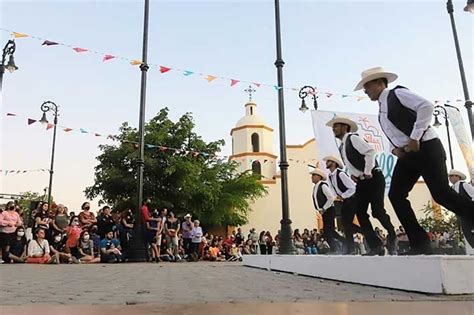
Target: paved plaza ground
x,y
200,288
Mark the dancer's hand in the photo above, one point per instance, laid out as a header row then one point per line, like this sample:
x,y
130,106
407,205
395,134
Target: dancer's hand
x,y
398,152
413,146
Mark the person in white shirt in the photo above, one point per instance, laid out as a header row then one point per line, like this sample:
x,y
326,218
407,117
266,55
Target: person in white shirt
x,y
405,119
344,188
323,200
196,234
359,158
457,178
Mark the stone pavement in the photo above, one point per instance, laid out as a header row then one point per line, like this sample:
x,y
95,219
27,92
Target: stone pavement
x,y
181,286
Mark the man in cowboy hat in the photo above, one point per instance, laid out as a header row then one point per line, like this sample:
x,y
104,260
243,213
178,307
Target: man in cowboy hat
x,y
323,200
359,157
457,178
405,119
345,189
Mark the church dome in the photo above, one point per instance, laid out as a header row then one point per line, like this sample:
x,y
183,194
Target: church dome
x,y
250,118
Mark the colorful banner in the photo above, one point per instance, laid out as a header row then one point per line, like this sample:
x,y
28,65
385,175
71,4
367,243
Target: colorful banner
x,y
463,136
103,56
369,129
9,172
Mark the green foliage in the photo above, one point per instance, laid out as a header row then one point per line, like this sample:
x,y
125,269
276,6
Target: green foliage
x,y
184,181
446,222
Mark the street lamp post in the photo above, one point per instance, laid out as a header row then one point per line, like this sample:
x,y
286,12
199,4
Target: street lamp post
x,y
286,244
137,251
8,51
304,92
441,110
468,104
49,106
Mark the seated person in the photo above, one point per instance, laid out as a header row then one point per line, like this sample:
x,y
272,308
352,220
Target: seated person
x,y
110,250
17,253
38,250
58,247
86,249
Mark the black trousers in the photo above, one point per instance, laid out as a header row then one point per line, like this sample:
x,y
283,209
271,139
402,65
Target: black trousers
x,y
372,191
329,232
429,162
348,211
187,245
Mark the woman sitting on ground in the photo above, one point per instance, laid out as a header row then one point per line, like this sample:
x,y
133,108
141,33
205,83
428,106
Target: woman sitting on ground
x,y
58,247
86,249
18,244
38,250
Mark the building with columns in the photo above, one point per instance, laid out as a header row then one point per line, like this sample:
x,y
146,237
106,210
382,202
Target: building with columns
x,y
252,148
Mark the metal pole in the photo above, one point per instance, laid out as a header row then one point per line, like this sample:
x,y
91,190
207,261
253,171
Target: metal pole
x,y
51,169
286,244
468,103
446,121
138,251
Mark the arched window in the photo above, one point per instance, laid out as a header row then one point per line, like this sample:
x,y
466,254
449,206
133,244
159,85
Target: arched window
x,y
257,168
255,142
251,110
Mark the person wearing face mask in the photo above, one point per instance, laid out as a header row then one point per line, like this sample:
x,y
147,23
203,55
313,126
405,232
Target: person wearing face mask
x,y
86,217
17,252
9,221
73,234
105,222
58,247
86,249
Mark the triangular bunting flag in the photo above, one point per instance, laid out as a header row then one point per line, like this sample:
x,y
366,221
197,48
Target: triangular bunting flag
x,y
97,135
164,69
11,114
31,121
276,87
210,78
163,149
257,84
49,126
360,98
135,62
448,101
436,102
188,73
48,43
328,94
233,82
108,57
344,95
19,35
67,129
458,100
79,49
83,130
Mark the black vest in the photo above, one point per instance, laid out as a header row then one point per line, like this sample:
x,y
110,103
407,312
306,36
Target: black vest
x,y
462,190
340,184
355,157
320,197
400,116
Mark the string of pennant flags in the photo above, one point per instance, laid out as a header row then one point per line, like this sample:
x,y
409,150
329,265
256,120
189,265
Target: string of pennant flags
x,y
232,82
6,172
135,144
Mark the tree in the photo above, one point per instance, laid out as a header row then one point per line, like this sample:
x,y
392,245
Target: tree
x,y
444,221
181,172
25,201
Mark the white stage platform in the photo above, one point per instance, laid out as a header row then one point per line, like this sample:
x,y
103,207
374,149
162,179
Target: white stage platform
x,y
427,274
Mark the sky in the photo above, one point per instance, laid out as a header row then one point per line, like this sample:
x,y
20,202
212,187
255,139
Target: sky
x,y
325,44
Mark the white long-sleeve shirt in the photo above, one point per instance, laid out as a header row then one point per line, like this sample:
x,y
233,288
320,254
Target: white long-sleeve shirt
x,y
363,148
351,186
467,187
424,115
327,192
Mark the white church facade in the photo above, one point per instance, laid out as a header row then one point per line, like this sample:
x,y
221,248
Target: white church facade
x,y
252,148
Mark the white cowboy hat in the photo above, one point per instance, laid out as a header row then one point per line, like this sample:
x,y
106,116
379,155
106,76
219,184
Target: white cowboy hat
x,y
457,173
334,159
343,120
187,216
319,172
375,73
